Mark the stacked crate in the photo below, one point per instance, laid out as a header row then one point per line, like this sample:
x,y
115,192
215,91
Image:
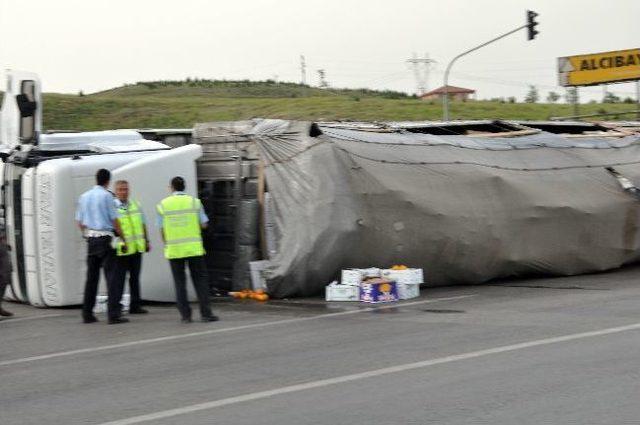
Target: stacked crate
x,y
228,188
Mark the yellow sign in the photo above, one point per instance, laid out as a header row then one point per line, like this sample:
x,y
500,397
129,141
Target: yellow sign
x,y
599,68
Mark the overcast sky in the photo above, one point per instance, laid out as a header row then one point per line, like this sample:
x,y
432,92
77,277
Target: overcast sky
x,y
92,45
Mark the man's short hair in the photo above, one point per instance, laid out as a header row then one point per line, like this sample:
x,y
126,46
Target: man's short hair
x,y
119,182
177,183
102,177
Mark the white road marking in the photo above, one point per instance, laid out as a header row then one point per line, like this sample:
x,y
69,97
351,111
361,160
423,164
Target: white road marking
x,y
20,319
364,375
222,330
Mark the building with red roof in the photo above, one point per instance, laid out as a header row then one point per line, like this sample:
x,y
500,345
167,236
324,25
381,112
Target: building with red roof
x,y
455,93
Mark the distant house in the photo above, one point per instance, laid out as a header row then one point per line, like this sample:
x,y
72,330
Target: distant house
x,y
455,93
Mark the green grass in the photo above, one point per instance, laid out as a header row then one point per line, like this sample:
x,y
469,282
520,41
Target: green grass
x,y
181,104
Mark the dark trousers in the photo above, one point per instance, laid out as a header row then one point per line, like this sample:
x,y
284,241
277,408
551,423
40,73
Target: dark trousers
x,y
100,255
129,264
4,282
5,270
200,277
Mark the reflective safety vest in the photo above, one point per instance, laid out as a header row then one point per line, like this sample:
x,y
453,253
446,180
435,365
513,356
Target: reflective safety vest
x,y
181,226
130,219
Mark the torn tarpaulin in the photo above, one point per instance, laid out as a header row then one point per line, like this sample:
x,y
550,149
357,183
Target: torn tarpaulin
x,y
464,209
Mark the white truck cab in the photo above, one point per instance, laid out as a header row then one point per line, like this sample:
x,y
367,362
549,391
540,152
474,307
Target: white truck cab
x,y
41,177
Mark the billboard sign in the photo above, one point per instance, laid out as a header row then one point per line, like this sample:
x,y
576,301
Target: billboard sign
x,y
599,68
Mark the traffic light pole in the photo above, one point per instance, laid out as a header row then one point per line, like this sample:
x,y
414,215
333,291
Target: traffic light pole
x,y
445,98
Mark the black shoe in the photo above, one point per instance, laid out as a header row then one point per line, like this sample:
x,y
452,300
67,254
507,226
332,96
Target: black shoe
x,y
139,311
186,320
5,313
210,319
92,319
218,293
118,320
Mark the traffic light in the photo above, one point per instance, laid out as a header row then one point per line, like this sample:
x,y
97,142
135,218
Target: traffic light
x,y
531,24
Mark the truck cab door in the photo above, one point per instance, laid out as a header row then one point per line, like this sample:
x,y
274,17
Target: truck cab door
x,y
20,125
21,113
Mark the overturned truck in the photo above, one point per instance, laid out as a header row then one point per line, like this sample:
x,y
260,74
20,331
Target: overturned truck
x,y
468,202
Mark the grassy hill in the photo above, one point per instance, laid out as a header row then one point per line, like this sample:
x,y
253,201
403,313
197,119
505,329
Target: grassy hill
x,y
166,104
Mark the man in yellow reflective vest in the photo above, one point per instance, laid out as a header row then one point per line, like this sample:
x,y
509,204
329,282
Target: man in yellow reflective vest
x,y
181,220
130,246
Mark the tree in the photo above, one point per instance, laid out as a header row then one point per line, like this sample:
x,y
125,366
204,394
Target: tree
x,y
532,96
553,97
610,98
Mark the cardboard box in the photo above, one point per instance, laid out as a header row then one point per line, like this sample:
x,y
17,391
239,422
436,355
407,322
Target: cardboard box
x,y
407,276
351,277
408,281
370,272
337,292
101,303
378,290
406,291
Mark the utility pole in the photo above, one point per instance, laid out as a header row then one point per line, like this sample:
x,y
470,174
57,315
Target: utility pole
x,y
303,71
531,34
421,68
322,75
573,97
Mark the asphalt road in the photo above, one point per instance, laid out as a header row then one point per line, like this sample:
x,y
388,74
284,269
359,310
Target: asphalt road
x,y
552,351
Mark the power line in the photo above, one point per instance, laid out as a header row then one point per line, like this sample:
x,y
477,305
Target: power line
x,y
514,83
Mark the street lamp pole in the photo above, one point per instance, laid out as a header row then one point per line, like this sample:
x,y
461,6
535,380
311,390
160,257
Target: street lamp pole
x,y
531,23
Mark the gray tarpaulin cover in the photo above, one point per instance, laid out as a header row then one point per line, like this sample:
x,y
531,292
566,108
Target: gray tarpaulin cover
x,y
466,209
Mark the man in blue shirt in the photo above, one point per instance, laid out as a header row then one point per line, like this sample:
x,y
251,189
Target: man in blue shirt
x,y
96,216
